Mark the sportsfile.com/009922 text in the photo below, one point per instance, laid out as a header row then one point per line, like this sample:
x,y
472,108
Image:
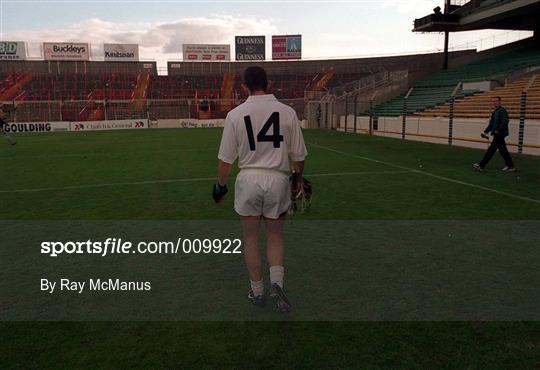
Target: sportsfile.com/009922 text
x,y
111,246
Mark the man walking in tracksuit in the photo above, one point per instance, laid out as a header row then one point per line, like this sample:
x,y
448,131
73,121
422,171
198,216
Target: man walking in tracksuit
x,y
498,127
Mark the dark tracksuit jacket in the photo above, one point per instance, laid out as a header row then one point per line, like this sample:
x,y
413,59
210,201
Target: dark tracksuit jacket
x,y
498,123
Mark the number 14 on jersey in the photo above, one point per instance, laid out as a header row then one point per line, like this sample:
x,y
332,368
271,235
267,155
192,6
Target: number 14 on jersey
x,y
263,136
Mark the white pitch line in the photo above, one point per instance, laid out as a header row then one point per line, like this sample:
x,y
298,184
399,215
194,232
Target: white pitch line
x,y
515,196
75,187
193,179
105,154
356,173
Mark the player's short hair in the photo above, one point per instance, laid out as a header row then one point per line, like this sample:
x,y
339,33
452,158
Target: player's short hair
x,y
255,78
498,98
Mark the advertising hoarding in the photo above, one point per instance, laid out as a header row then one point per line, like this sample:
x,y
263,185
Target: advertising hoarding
x,y
66,51
286,47
121,52
206,52
109,125
12,50
36,126
250,47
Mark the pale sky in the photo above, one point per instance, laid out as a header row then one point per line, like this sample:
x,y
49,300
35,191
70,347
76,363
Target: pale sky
x,y
329,29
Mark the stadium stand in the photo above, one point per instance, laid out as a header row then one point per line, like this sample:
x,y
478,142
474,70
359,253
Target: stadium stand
x,y
184,86
479,105
94,90
283,86
12,85
290,79
437,88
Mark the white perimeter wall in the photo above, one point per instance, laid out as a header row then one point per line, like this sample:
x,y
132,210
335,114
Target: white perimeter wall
x,y
466,132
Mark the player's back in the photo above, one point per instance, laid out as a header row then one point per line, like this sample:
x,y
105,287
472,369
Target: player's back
x,y
262,133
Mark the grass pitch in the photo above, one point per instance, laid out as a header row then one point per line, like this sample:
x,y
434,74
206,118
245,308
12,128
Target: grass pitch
x,y
167,175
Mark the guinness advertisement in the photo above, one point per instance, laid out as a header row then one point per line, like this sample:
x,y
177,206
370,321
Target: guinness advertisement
x,y
250,48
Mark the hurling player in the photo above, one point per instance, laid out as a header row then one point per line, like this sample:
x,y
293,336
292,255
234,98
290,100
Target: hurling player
x,y
265,136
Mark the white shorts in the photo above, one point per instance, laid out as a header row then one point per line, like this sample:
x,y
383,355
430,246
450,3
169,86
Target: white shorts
x,y
260,192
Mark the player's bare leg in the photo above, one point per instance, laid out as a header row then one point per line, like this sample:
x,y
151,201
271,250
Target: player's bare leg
x,y
252,256
275,248
275,252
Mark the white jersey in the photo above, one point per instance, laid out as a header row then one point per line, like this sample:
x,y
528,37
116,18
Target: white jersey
x,y
262,133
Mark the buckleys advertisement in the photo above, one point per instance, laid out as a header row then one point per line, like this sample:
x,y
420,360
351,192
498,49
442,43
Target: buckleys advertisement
x,y
66,51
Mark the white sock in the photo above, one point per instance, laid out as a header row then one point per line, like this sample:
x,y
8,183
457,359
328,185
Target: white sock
x,y
257,287
276,275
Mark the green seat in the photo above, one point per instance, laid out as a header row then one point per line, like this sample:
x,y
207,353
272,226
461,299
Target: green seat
x,y
437,88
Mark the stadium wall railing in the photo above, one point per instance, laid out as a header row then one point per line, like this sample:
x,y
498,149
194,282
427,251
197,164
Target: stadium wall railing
x,y
59,126
464,132
417,64
153,109
348,114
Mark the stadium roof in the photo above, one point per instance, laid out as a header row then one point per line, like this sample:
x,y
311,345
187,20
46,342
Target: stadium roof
x,y
483,14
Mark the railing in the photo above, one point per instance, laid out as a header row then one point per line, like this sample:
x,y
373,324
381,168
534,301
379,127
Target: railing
x,y
370,82
459,2
356,116
451,112
76,110
20,97
496,40
364,94
522,112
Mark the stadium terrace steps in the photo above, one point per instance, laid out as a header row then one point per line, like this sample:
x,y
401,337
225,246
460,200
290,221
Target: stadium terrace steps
x,y
320,81
437,89
78,87
96,114
480,106
140,91
227,91
420,99
13,85
184,86
73,96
